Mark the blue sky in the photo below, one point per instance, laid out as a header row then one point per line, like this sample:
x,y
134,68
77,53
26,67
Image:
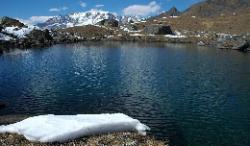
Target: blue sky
x,y
25,9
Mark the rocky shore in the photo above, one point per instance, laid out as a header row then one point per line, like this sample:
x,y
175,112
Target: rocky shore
x,y
14,34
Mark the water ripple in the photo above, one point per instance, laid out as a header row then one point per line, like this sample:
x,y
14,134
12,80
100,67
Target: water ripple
x,y
189,96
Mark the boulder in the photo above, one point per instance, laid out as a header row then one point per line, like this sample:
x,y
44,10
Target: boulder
x,y
245,47
132,27
39,37
109,23
158,29
8,22
201,43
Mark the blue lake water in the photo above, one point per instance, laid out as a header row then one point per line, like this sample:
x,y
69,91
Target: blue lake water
x,y
190,95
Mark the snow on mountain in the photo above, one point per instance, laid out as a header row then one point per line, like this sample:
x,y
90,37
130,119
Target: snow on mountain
x,y
91,17
77,19
57,22
5,37
130,19
19,32
10,29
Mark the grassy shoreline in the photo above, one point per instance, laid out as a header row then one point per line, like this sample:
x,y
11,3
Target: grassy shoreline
x,y
114,139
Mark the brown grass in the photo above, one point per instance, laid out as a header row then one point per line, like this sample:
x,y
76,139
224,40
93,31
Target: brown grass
x,y
228,23
117,139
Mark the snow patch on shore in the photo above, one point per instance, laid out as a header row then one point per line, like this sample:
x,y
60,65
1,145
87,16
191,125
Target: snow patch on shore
x,y
55,128
177,34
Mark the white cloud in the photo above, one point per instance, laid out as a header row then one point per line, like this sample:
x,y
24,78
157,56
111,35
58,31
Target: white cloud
x,y
58,9
54,10
99,5
83,4
35,19
142,10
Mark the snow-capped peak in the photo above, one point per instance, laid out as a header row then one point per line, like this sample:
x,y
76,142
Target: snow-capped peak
x,y
91,17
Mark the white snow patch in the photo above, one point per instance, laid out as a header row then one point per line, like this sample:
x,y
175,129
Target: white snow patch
x,y
177,35
55,128
19,32
5,37
137,34
126,29
174,16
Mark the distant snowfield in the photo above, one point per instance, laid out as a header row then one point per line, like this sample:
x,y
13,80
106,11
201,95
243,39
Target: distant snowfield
x,y
91,17
55,128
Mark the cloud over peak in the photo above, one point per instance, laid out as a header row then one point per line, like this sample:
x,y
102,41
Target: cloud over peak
x,y
35,19
99,5
83,4
142,10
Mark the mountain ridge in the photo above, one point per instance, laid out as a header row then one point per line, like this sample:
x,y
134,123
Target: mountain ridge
x,y
214,8
91,17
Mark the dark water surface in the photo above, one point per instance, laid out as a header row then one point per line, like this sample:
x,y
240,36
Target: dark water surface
x,y
193,96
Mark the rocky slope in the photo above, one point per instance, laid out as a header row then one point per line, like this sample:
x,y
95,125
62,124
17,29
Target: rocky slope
x,y
14,34
221,16
215,8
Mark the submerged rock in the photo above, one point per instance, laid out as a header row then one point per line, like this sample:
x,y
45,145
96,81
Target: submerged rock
x,y
245,47
158,29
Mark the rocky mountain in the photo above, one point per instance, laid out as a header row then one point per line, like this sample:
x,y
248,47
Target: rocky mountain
x,y
221,16
8,22
213,8
91,17
13,29
173,12
15,34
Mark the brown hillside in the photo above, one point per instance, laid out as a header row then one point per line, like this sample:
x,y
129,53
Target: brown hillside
x,y
214,8
225,16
